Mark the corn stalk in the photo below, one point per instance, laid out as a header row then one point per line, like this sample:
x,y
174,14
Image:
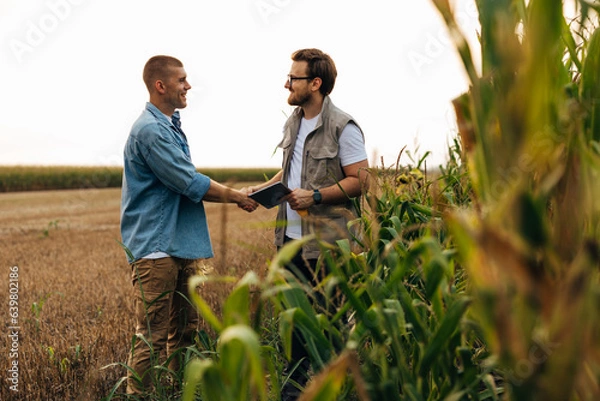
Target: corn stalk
x,y
530,123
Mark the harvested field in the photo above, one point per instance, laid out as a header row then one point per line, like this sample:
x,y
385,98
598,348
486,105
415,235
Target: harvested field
x,y
74,312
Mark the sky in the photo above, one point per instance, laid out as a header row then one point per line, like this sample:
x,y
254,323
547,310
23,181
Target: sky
x,y
72,70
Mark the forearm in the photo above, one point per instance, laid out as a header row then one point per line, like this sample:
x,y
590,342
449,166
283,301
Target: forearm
x,y
220,193
338,193
349,187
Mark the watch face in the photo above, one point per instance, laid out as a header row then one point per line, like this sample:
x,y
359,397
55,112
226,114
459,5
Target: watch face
x,y
317,197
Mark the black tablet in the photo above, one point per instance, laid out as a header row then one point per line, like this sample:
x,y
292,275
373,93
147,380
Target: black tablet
x,y
270,196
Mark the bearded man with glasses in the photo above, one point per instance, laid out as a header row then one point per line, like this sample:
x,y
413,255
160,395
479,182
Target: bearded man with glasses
x,y
323,155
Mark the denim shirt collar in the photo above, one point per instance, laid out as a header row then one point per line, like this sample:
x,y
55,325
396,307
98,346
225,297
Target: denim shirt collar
x,y
174,122
160,115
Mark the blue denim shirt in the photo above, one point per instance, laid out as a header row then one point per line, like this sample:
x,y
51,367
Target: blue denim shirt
x,y
161,196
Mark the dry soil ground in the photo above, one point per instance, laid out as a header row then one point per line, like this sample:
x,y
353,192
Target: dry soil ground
x,y
63,268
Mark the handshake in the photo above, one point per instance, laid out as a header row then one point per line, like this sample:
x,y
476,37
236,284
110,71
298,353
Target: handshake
x,y
268,196
245,202
272,195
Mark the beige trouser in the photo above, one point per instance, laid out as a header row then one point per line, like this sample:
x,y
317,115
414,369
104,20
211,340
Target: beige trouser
x,y
164,317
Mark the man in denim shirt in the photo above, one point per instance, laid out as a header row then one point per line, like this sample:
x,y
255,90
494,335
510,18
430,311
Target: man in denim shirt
x,y
163,223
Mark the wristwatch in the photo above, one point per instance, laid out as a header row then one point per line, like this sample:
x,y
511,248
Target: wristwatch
x,y
317,197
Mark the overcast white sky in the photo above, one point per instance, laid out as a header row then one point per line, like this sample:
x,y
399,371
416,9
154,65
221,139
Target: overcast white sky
x,y
72,74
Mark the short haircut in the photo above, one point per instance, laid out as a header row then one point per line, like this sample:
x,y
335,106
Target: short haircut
x,y
157,68
319,65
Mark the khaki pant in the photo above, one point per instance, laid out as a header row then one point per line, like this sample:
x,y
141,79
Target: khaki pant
x,y
164,317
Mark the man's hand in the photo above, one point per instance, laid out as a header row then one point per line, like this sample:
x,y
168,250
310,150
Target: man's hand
x,y
246,203
300,199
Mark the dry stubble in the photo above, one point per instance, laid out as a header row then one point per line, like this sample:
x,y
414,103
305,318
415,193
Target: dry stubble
x,y
74,305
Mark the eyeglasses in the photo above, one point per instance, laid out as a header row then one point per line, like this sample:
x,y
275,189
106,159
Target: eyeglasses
x,y
291,79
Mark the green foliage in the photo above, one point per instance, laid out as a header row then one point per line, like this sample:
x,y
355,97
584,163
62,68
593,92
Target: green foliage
x,y
236,375
408,295
530,244
51,225
63,365
392,311
236,371
37,308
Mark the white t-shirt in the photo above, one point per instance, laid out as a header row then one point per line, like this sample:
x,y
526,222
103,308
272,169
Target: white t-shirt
x,y
351,150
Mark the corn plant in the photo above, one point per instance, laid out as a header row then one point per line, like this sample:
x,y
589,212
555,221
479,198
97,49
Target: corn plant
x,y
63,365
51,225
529,125
235,372
391,310
37,308
405,295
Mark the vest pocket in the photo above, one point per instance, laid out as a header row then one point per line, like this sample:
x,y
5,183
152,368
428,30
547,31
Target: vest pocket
x,y
323,166
286,146
285,143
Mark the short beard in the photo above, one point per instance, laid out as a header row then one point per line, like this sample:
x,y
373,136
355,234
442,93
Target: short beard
x,y
298,102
